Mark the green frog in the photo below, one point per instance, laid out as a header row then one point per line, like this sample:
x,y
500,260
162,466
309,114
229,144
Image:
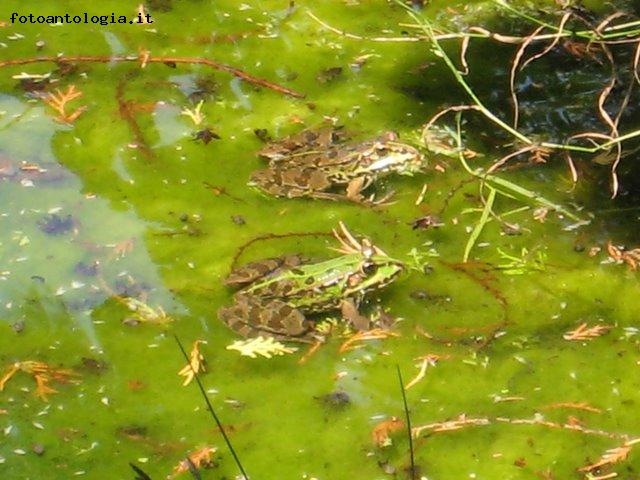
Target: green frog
x,y
278,295
320,164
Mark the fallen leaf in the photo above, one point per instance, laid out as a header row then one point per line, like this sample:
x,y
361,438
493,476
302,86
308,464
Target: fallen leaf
x,y
195,365
264,346
382,431
201,458
43,375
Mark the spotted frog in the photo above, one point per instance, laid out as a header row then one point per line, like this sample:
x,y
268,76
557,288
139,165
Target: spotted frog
x,y
322,164
278,295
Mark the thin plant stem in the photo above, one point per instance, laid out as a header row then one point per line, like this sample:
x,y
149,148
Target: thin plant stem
x,y
408,419
456,73
503,186
477,230
210,408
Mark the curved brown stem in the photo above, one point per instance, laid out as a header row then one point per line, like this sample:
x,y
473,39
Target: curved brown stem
x,y
143,59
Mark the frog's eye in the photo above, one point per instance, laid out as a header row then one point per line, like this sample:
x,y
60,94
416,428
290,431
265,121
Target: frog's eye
x,y
369,268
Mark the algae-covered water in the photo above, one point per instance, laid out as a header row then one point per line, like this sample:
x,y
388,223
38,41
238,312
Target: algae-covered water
x,y
120,202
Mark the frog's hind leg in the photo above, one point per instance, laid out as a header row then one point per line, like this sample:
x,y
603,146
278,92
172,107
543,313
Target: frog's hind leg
x,y
252,271
253,317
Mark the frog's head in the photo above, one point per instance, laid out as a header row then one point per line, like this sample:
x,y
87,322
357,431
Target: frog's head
x,y
392,156
376,270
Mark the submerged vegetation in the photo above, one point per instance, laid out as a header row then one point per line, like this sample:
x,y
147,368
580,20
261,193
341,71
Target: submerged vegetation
x,y
131,191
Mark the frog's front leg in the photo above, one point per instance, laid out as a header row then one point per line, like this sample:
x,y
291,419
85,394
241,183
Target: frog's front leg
x,y
351,314
355,188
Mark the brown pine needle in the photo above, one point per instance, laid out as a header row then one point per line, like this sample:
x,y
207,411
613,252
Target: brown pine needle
x,y
448,425
586,333
579,406
462,421
430,359
373,334
612,456
312,351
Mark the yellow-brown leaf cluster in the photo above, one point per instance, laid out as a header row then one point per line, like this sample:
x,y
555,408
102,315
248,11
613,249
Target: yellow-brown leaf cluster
x,y
201,458
266,347
196,363
42,373
381,433
58,101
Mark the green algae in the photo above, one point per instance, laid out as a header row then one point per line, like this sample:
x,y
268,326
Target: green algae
x,y
170,212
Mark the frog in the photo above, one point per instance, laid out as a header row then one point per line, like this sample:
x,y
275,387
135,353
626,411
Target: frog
x,y
323,165
280,297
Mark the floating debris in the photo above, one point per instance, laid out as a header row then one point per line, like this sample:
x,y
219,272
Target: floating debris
x,y
586,333
335,400
42,373
265,347
196,363
56,225
201,458
329,74
381,433
58,101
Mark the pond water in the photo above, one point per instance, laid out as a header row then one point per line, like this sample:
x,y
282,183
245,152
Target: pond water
x,y
122,203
